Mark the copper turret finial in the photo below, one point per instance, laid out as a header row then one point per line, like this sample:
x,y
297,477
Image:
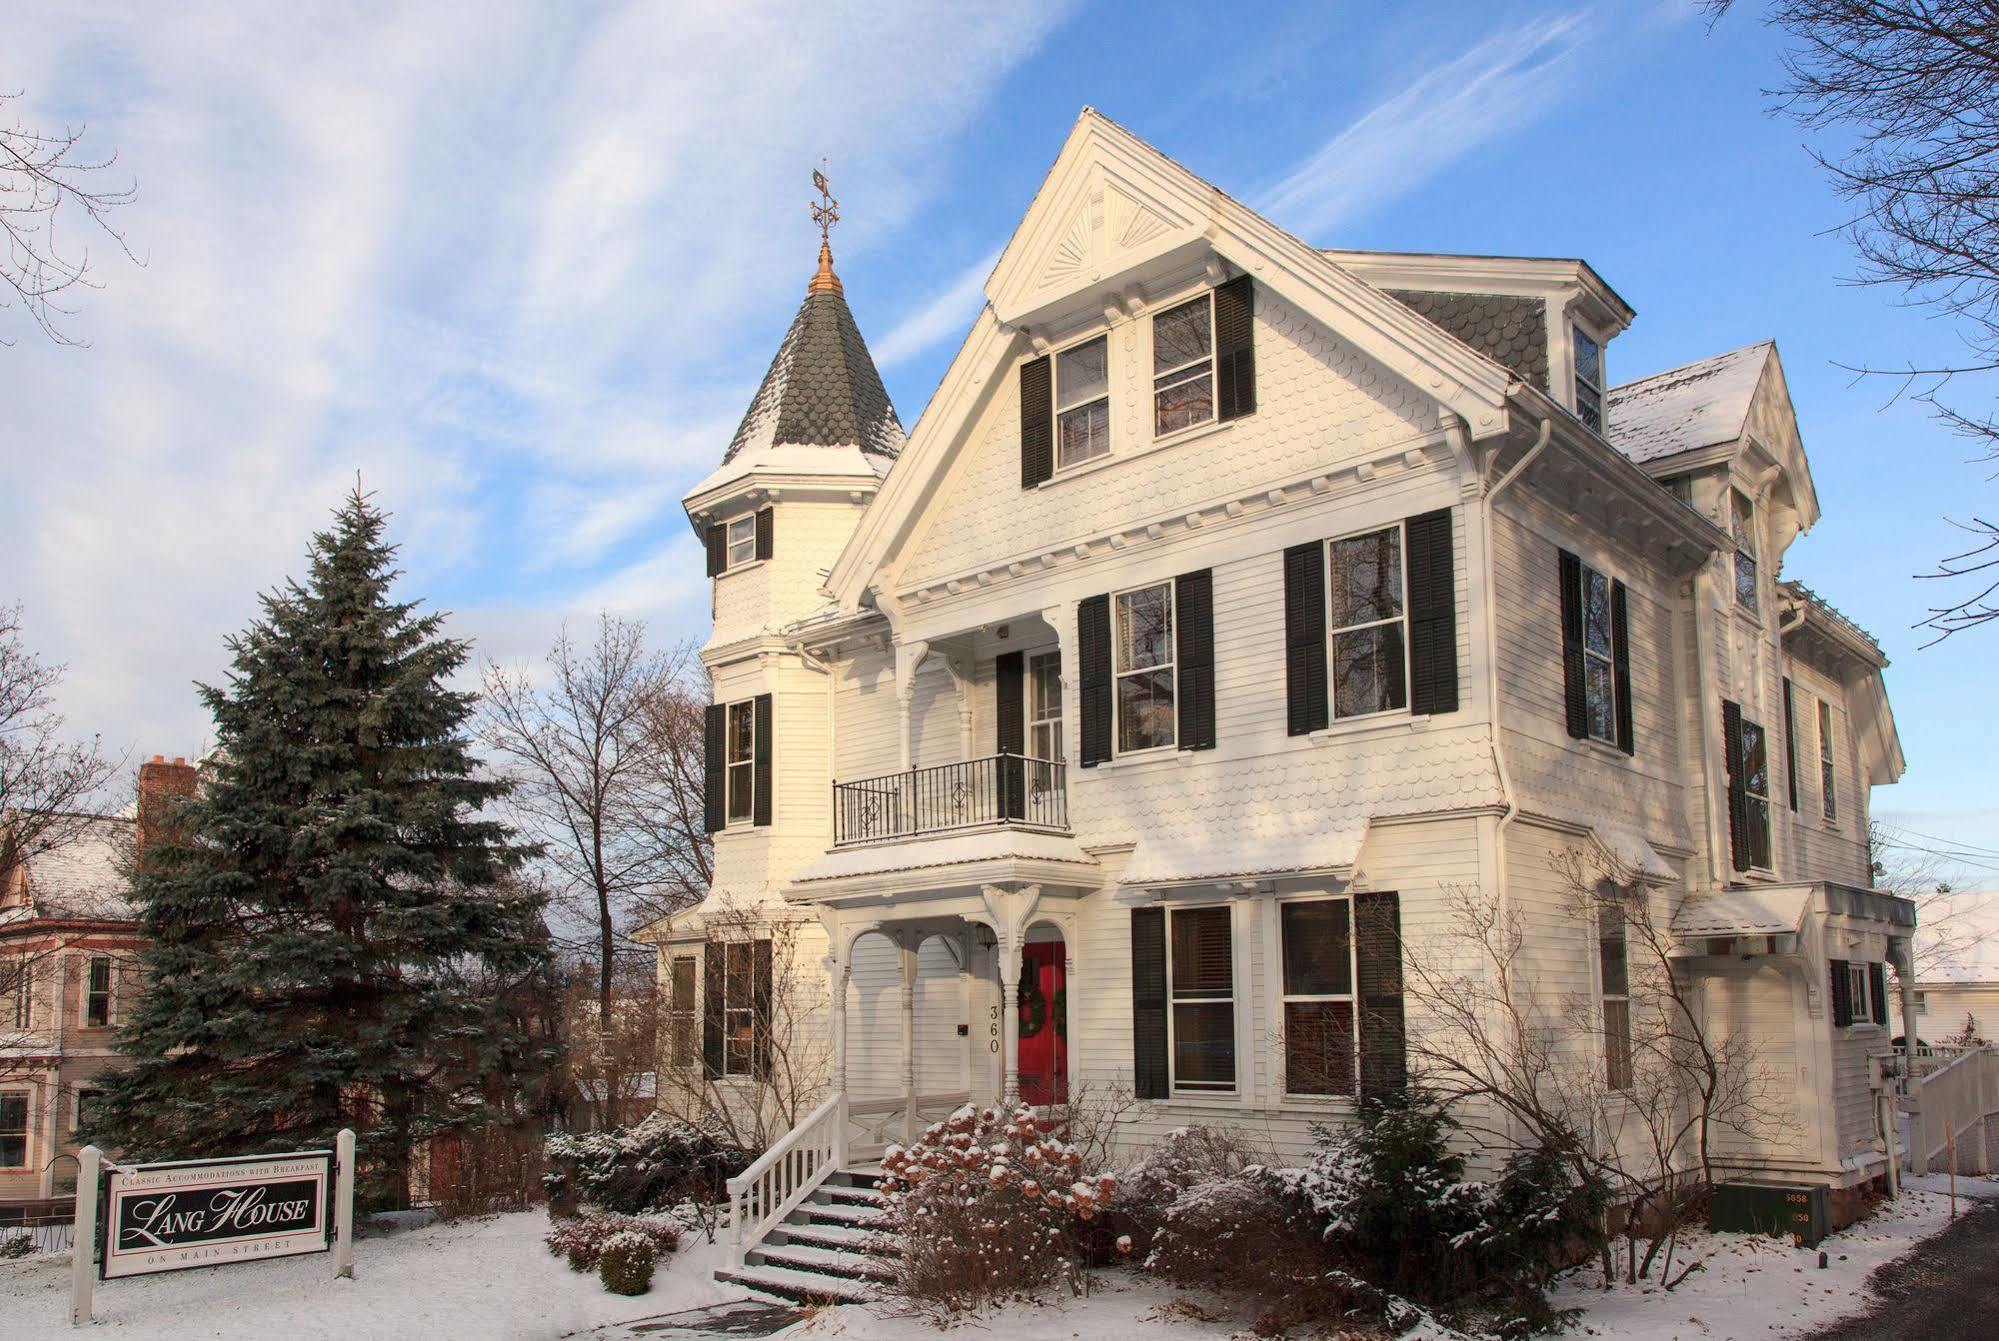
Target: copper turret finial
x,y
825,213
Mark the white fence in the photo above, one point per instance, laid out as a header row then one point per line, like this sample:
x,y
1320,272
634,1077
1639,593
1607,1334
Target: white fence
x,y
1952,1099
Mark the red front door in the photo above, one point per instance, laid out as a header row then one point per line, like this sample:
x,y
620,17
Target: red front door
x,y
1044,1032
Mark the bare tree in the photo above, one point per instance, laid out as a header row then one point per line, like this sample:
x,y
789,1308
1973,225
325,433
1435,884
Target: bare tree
x,y
1947,916
50,785
613,1062
574,737
46,179
762,1066
1633,1093
672,799
1915,83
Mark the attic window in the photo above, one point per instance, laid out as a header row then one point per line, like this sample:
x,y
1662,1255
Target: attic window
x,y
1589,378
1082,402
1183,366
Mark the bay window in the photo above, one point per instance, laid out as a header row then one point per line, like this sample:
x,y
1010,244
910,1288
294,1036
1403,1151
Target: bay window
x,y
1200,988
1044,707
741,1043
1614,988
1320,1021
681,1012
1145,669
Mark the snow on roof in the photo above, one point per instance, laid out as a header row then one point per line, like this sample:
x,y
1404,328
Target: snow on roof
x,y
1633,852
1169,855
1681,409
1762,910
85,877
960,849
822,389
794,459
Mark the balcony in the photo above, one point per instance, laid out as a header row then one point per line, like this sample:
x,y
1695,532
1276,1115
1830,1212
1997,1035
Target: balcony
x,y
999,791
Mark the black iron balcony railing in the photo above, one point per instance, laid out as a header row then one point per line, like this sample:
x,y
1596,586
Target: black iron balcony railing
x,y
1002,789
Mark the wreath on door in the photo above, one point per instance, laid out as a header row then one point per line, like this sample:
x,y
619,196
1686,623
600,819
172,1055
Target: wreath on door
x,y
1033,1008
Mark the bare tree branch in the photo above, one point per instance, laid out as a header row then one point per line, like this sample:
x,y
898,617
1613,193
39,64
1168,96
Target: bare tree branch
x,y
45,180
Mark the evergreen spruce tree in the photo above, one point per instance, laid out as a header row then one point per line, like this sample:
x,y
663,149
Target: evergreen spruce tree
x,y
335,937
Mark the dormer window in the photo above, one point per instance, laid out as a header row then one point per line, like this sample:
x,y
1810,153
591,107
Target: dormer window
x,y
1183,366
1589,377
1742,524
1082,402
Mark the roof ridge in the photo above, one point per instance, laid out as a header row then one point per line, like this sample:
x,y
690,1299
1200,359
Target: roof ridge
x,y
1768,342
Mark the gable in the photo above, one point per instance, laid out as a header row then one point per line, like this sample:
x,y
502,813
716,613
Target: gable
x,y
1322,406
1115,225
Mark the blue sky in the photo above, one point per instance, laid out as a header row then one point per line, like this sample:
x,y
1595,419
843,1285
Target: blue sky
x,y
522,265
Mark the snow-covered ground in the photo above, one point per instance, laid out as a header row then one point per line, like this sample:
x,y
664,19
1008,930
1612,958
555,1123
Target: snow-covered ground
x,y
492,1278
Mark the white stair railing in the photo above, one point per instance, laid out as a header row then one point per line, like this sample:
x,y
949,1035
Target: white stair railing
x,y
785,1175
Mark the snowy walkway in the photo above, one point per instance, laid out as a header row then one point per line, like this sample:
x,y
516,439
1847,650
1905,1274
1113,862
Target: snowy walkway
x,y
493,1278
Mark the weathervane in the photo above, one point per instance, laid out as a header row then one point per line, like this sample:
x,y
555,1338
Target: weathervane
x,y
826,212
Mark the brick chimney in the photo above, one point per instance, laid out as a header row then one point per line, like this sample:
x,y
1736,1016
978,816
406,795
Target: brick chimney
x,y
161,785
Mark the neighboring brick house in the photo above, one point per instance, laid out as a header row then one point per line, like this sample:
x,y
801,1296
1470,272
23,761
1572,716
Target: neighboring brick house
x,y
1234,605
69,943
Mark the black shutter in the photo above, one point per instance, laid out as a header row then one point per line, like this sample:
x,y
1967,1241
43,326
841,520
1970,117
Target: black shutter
x,y
1842,995
1011,714
1574,694
1433,615
1093,657
1150,1077
760,1002
761,807
1790,745
1235,349
1384,1050
1620,652
1877,986
714,781
718,549
1037,423
1738,788
766,532
1194,650
712,956
1306,706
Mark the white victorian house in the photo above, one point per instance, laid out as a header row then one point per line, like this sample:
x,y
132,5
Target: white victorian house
x,y
1132,722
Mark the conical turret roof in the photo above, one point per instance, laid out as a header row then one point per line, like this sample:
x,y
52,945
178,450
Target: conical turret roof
x,y
822,389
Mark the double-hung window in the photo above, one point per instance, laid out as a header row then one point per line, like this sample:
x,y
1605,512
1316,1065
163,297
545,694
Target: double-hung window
x,y
1827,801
1183,366
1320,1022
740,1043
741,762
1200,989
1742,525
1756,790
742,541
1589,377
1044,707
1614,986
97,995
1146,677
86,1109
1599,658
1082,402
13,1129
681,1017
1365,614
1860,987
24,995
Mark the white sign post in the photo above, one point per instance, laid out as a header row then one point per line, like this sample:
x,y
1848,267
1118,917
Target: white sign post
x,y
209,1212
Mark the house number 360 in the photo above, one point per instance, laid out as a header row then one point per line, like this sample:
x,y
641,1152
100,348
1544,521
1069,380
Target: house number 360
x,y
995,1029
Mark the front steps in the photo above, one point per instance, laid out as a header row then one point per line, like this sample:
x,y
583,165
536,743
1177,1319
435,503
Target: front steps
x,y
826,1251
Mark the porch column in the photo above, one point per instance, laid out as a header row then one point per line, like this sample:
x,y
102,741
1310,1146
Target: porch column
x,y
908,660
906,943
1009,968
839,973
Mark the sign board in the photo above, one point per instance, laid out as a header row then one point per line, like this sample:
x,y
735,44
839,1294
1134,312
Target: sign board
x,y
197,1213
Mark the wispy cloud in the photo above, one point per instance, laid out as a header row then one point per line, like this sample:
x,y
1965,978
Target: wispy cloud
x,y
497,257
944,316
1503,83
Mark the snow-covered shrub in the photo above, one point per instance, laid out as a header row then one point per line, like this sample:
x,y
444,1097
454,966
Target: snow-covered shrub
x,y
582,1239
1187,1158
987,1207
14,1246
656,1163
625,1264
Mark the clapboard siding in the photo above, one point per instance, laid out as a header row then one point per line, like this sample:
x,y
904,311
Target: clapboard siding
x,y
1755,1005
1833,849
